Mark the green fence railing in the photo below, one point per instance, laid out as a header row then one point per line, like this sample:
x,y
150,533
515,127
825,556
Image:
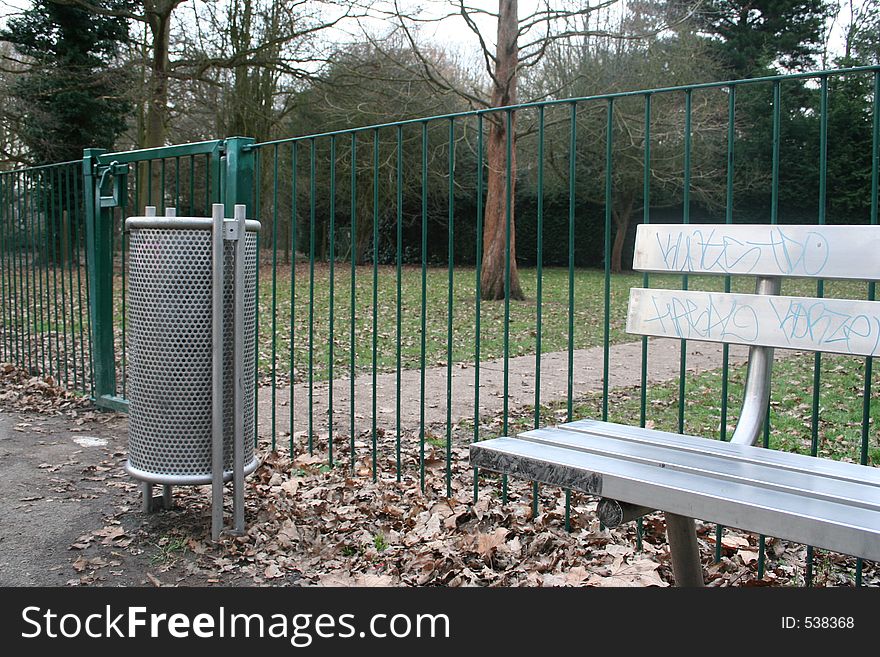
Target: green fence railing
x,y
375,347
186,178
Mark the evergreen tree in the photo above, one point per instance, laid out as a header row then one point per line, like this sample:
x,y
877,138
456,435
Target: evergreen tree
x,y
753,38
70,95
758,36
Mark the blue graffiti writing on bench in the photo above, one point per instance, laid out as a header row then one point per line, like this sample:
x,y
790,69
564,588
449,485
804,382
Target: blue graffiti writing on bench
x,y
818,324
814,322
689,319
713,251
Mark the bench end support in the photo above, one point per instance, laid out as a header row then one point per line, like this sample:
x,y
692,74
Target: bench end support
x,y
614,513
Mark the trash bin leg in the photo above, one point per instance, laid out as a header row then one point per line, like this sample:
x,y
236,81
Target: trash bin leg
x,y
147,492
167,501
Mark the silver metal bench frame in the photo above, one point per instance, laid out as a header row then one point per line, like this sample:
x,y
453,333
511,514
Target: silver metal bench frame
x,y
769,260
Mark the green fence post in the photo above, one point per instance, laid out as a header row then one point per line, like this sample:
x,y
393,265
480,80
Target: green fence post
x,y
239,174
99,230
238,189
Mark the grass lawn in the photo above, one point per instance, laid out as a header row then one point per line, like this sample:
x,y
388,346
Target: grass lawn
x,y
588,314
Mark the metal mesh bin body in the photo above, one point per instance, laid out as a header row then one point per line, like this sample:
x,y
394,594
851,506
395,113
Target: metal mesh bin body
x,y
170,352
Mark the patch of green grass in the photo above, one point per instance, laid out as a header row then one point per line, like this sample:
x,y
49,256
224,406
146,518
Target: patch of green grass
x,y
169,548
380,542
44,306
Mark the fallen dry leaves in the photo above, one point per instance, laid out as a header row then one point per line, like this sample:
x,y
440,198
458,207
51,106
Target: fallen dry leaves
x,y
312,525
21,391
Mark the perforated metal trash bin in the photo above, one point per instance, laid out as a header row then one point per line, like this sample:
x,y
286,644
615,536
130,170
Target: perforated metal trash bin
x,y
170,350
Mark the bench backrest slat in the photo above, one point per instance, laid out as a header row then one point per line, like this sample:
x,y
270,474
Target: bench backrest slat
x,y
830,252
843,326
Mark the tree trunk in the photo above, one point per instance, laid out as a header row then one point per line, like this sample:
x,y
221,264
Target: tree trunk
x,y
495,233
363,245
158,15
622,217
157,105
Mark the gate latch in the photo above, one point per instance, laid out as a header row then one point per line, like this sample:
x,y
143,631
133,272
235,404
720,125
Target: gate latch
x,y
118,184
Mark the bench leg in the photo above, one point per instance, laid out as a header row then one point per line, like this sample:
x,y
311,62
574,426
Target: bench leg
x,y
686,565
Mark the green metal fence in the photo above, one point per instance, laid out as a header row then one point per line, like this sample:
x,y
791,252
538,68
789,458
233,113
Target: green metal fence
x,y
372,334
44,275
396,183
187,179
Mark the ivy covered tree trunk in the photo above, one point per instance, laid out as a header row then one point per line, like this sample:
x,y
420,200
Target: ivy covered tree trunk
x,y
495,231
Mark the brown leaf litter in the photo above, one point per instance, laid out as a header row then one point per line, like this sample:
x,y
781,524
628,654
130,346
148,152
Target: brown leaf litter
x,y
312,525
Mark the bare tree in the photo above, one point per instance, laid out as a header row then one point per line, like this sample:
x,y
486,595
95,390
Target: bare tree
x,y
246,49
862,32
258,53
521,43
258,41
12,150
586,66
362,85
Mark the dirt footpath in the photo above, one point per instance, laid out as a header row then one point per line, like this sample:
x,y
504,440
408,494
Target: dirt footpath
x,y
71,516
625,362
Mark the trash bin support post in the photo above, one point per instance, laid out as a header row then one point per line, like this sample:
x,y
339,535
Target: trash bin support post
x,y
217,236
238,440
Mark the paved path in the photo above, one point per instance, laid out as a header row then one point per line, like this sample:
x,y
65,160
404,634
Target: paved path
x,y
625,371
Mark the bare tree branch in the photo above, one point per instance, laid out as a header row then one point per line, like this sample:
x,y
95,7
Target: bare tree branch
x,y
549,16
427,70
487,54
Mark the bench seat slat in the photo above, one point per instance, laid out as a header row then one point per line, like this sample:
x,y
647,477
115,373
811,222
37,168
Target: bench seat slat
x,y
799,463
810,251
798,517
749,472
841,326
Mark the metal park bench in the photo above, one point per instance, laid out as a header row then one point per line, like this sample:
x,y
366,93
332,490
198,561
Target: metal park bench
x,y
814,501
